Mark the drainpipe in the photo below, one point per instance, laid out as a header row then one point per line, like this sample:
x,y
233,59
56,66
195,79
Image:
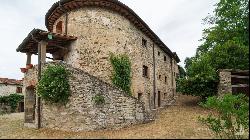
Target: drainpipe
x,y
172,77
154,82
66,19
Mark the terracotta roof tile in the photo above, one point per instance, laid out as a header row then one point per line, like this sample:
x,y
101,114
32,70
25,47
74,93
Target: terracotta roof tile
x,y
10,81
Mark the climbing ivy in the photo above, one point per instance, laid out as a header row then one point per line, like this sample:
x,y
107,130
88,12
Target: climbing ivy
x,y
53,86
12,100
121,75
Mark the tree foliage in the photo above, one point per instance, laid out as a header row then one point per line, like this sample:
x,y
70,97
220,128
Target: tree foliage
x,y
12,100
233,116
229,22
225,45
183,73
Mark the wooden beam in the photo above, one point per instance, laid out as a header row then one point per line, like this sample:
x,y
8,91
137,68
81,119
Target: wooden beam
x,y
58,46
240,77
240,85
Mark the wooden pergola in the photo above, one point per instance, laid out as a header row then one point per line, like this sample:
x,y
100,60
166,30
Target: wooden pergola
x,y
49,42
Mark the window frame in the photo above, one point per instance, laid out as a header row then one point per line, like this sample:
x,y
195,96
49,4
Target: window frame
x,y
145,71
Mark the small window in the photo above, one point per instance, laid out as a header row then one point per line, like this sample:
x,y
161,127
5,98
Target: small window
x,y
59,27
165,79
165,58
165,95
18,90
139,96
144,42
159,53
145,71
159,77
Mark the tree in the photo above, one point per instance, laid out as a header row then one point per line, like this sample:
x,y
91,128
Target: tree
x,y
230,22
225,46
232,119
182,72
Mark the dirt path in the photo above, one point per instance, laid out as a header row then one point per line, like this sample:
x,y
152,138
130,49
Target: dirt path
x,y
178,121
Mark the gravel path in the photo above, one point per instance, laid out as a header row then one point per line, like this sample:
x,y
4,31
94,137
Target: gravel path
x,y
177,121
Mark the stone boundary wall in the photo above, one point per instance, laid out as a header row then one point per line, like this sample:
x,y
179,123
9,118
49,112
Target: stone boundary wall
x,y
81,112
4,108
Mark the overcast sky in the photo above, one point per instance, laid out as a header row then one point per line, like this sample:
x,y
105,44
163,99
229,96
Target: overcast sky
x,y
177,22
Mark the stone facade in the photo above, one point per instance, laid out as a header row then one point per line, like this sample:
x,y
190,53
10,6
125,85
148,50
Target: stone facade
x,y
84,34
6,90
101,32
10,86
81,112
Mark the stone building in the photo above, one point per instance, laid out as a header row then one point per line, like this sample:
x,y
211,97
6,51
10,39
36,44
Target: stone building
x,y
7,87
83,33
10,86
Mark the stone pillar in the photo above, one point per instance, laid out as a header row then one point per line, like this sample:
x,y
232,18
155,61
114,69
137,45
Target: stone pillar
x,y
28,58
225,85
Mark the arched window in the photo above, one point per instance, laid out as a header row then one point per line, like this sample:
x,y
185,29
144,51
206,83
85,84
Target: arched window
x,y
59,27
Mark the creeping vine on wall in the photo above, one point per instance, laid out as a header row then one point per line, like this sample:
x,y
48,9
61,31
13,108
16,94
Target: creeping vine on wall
x,y
12,100
121,75
54,86
98,99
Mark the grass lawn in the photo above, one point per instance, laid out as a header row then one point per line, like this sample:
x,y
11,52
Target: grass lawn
x,y
177,121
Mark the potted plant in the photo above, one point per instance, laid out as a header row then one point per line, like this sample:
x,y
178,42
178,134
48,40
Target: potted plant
x,y
23,70
29,66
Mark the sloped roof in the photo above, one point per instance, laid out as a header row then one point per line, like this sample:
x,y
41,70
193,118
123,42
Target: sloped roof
x,y
30,43
63,6
10,81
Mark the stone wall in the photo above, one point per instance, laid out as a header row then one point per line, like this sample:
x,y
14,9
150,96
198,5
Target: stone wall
x,y
81,112
4,108
101,31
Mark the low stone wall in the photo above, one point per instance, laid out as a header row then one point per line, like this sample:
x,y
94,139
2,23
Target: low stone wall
x,y
4,108
81,112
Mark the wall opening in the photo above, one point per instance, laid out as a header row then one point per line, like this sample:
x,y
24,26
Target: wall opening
x,y
139,96
144,42
159,99
149,104
154,100
59,27
19,90
21,107
30,104
145,71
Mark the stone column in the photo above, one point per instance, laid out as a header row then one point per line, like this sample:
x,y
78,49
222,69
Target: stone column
x,y
224,86
28,58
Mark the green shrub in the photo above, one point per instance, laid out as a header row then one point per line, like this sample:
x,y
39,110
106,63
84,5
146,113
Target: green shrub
x,y
53,86
98,99
197,86
233,115
121,76
12,100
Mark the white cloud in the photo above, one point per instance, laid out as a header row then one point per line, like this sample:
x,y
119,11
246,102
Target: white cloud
x,y
176,22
